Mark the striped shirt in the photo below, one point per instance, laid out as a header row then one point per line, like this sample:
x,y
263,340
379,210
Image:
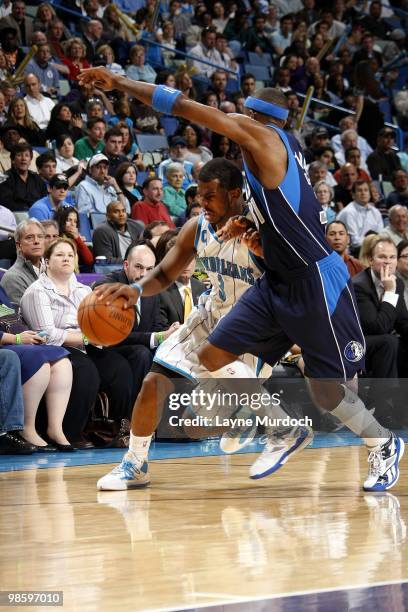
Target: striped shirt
x,y
45,308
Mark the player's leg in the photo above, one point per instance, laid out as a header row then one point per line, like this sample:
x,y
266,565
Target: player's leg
x,y
333,350
251,327
132,472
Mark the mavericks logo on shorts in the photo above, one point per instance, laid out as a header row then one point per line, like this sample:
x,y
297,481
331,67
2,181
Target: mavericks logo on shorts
x,y
354,351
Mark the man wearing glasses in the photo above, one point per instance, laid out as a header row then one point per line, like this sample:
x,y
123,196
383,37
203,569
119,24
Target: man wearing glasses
x,y
29,237
383,161
147,332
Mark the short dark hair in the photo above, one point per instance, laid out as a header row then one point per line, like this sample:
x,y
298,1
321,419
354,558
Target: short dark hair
x,y
45,158
113,131
328,226
141,242
349,150
358,183
91,122
246,76
227,173
149,179
147,233
19,148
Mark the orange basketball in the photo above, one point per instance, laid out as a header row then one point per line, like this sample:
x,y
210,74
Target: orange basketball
x,y
102,324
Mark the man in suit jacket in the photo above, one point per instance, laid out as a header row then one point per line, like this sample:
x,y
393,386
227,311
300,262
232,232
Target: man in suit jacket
x,y
20,22
178,300
383,313
147,331
113,238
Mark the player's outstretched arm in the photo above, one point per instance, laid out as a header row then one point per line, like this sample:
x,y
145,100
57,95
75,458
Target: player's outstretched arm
x,y
239,128
163,275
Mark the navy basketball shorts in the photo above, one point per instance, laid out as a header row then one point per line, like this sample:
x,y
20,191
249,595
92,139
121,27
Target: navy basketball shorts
x,y
316,310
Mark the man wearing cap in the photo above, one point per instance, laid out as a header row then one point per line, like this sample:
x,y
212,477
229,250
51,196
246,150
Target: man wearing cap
x,y
383,161
57,192
98,189
177,153
319,138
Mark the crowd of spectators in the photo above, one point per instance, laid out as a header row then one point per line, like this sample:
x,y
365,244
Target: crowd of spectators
x,y
81,188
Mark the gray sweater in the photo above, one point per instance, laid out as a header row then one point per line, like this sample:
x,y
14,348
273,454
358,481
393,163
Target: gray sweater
x,y
18,278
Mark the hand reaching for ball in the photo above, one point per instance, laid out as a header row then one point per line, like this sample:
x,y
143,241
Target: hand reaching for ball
x,y
108,293
234,227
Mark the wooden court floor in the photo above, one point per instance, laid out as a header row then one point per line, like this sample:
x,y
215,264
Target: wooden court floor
x,y
203,533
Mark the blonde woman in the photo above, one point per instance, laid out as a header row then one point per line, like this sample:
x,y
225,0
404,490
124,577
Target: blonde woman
x,y
75,52
138,70
18,114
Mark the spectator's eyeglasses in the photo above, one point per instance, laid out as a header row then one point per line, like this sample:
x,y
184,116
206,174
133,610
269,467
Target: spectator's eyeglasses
x,y
33,237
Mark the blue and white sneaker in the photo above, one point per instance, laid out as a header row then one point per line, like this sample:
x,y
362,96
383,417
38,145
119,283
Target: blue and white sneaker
x,y
383,471
278,449
131,473
237,438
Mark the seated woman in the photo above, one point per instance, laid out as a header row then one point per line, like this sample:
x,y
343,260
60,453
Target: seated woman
x,y
75,59
63,121
126,177
51,304
173,194
67,218
45,371
137,69
18,114
196,151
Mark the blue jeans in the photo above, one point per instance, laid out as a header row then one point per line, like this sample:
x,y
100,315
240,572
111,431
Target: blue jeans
x,y
11,394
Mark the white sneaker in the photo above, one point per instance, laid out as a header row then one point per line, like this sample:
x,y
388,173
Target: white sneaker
x,y
278,449
385,515
235,439
383,471
131,473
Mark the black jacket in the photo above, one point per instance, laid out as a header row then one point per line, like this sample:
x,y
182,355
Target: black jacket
x,y
16,194
149,315
171,304
105,240
379,317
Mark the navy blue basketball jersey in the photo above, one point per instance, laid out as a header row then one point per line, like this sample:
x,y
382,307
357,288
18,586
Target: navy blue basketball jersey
x,y
290,219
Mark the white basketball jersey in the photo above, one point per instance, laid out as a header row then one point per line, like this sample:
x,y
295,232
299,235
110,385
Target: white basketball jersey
x,y
231,268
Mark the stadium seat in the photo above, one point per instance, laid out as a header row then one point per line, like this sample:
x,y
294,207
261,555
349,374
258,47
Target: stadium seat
x,y
151,142
142,176
169,124
261,73
259,60
85,227
20,215
96,219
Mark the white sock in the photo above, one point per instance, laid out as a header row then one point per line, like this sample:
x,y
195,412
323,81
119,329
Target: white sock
x,y
352,412
139,445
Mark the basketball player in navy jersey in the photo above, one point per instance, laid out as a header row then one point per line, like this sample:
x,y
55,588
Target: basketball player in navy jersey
x,y
305,296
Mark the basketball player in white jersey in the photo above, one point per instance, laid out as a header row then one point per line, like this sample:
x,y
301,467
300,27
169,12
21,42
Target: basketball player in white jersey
x,y
232,268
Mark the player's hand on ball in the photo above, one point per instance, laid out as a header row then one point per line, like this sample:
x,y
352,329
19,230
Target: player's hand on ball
x,y
252,239
234,227
98,77
108,293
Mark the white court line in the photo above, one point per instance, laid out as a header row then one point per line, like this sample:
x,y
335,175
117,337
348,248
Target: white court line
x,y
227,598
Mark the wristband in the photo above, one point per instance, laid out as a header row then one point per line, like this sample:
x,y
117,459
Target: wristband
x,y
18,339
138,287
160,337
164,99
85,340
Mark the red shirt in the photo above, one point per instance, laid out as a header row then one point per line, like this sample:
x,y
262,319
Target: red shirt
x,y
146,212
354,265
74,70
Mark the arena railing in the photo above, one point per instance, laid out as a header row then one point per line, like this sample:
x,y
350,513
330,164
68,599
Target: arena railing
x,y
399,132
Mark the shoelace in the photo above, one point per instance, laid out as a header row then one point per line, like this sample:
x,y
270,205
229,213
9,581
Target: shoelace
x,y
130,469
